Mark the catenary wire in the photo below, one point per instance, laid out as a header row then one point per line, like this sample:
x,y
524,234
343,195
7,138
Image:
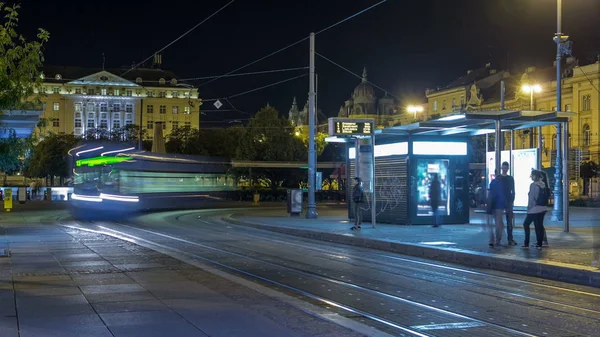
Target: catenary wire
x,y
241,74
180,36
349,71
255,89
295,43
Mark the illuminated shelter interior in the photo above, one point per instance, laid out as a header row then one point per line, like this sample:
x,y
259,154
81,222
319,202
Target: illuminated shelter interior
x,y
407,156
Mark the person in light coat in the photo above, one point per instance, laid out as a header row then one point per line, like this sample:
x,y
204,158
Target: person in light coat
x,y
535,211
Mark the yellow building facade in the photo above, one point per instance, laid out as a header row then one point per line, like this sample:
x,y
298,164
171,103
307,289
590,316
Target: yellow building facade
x,y
580,94
85,102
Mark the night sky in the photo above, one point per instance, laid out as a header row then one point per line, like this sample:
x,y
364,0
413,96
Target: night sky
x,y
406,46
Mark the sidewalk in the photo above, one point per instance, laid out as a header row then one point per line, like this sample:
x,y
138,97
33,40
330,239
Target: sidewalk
x,y
568,258
66,282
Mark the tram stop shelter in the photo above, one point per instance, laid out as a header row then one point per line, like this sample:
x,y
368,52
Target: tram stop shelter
x,y
405,158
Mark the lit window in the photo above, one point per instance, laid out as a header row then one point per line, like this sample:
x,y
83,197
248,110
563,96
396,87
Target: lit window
x,y
78,91
150,125
56,106
116,106
55,122
128,107
91,107
77,107
77,123
434,105
129,93
187,94
116,92
129,116
91,115
116,116
453,102
175,109
116,124
175,94
78,115
103,116
587,135
103,107
586,103
56,90
175,125
103,92
163,109
150,94
186,110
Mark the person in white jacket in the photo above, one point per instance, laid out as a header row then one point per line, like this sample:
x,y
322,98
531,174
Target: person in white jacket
x,y
536,209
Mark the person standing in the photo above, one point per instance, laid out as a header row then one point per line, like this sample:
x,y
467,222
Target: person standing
x,y
434,199
357,198
536,209
495,207
508,187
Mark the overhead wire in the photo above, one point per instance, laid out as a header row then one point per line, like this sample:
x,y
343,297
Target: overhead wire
x,y
356,75
255,89
244,74
295,43
180,37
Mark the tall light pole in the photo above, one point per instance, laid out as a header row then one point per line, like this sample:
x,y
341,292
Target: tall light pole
x,y
311,211
562,47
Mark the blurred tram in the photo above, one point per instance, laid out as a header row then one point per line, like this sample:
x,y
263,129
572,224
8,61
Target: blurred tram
x,y
106,179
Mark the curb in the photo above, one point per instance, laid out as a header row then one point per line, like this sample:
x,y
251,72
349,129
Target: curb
x,y
556,271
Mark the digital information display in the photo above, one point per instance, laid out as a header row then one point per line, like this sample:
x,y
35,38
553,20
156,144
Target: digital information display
x,y
351,127
425,170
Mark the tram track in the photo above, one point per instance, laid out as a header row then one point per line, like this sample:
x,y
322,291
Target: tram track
x,y
471,322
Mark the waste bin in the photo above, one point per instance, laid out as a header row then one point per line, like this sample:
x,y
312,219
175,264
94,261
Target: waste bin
x,y
294,201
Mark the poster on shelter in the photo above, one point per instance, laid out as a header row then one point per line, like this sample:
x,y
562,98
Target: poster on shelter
x,y
524,161
424,173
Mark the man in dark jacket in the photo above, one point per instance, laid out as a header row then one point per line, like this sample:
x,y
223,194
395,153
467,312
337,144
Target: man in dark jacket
x,y
434,199
357,199
496,205
507,184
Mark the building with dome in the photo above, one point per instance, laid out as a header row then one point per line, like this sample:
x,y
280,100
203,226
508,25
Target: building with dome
x,y
365,104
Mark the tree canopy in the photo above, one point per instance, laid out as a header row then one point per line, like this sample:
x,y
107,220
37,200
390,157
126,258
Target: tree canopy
x,y
20,61
49,157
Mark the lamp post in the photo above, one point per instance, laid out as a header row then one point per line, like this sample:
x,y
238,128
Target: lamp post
x,y
414,109
562,48
530,89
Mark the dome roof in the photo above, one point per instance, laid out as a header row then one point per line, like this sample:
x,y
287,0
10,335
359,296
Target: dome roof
x,y
364,89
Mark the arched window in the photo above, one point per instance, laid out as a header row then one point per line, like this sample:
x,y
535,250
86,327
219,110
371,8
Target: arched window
x,y
138,80
161,81
587,135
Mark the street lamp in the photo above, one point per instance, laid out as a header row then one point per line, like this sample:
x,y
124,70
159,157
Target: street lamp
x,y
530,89
414,109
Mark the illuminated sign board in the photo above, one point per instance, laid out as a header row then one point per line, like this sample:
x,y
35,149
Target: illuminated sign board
x,y
351,127
101,161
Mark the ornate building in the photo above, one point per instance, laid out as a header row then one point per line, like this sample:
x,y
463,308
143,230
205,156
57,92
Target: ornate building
x,y
90,101
364,104
580,94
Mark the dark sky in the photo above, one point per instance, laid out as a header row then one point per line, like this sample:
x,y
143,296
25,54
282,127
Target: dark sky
x,y
406,46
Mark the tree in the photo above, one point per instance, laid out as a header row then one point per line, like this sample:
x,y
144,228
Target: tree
x,y
269,137
185,140
320,143
222,142
50,157
12,150
20,62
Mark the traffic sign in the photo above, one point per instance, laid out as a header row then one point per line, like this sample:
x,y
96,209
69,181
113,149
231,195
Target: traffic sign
x,y
351,127
218,104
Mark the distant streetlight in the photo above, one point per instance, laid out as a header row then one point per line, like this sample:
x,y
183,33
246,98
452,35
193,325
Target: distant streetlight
x,y
530,89
297,133
414,109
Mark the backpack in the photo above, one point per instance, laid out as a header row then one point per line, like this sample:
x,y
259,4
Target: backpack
x,y
542,197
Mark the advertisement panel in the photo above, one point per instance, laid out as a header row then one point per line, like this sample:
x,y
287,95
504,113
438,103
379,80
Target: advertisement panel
x,y
424,172
523,161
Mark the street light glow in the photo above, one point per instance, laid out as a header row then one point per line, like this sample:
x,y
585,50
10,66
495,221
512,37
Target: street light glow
x,y
414,108
531,88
